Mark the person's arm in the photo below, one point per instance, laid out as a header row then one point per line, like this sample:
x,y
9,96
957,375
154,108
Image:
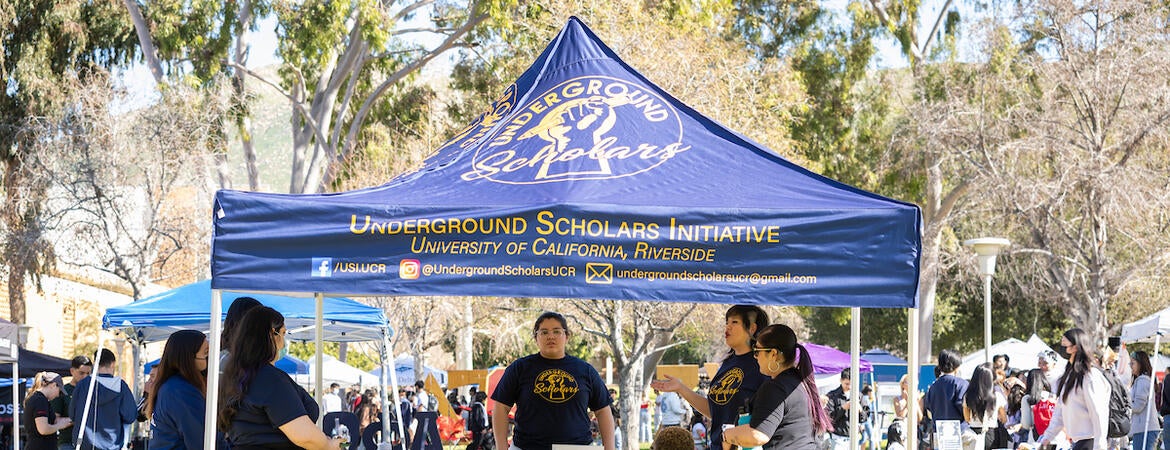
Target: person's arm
x,y
500,424
672,384
1096,390
1139,395
1056,423
128,409
605,425
305,434
744,436
1026,412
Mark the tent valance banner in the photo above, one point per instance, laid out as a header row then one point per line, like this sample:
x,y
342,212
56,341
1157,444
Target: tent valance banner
x,y
583,180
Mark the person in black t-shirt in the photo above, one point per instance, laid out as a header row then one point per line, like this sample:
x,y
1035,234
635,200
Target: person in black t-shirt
x,y
786,411
41,421
553,393
262,407
737,379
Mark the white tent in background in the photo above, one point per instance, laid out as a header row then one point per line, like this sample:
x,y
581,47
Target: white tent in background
x,y
337,372
1149,329
1022,355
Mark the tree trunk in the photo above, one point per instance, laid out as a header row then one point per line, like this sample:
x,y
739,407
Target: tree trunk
x,y
149,54
14,250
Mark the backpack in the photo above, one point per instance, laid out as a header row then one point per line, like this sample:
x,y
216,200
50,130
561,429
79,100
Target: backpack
x,y
1042,414
1120,409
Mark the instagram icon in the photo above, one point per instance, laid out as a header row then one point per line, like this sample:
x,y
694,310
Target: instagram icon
x,y
408,269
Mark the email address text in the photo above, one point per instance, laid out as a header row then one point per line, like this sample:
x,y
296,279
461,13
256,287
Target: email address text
x,y
699,275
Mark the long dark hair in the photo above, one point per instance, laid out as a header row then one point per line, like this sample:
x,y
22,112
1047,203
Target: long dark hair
x,y
1143,361
253,347
783,339
240,306
749,315
1079,364
178,358
1036,384
980,396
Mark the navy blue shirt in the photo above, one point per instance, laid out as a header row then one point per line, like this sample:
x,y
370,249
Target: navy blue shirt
x,y
736,381
38,406
273,399
944,399
178,416
553,398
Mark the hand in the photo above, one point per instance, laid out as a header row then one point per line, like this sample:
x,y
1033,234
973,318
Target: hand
x,y
335,443
64,422
670,384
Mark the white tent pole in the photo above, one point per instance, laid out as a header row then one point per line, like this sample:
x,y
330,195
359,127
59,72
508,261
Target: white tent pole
x,y
394,383
1150,400
15,396
855,375
97,362
318,338
213,370
912,370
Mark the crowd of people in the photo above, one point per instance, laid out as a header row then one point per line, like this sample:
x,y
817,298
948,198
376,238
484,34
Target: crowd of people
x,y
762,396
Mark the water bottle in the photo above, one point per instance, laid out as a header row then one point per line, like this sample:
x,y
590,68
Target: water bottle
x,y
340,431
745,418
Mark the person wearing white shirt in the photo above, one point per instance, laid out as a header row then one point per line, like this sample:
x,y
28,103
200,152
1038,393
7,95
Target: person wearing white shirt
x,y
984,407
331,400
672,409
1082,397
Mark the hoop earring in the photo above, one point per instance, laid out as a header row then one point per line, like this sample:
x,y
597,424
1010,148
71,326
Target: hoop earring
x,y
776,369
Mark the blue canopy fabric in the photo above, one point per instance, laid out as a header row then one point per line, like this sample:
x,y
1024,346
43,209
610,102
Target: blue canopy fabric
x,y
154,318
583,180
878,356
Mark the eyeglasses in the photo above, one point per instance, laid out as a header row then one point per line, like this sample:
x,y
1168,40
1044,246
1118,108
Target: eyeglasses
x,y
756,351
555,332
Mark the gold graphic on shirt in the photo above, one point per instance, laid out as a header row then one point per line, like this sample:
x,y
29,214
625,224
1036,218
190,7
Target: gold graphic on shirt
x,y
726,386
555,386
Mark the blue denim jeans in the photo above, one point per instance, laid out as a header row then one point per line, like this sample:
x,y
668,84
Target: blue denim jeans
x,y
1144,440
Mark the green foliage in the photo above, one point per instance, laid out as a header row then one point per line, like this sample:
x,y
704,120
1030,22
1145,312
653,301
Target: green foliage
x,y
360,360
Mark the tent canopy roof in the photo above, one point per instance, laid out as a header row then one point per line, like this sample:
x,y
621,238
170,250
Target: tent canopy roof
x,y
583,180
1021,355
154,318
1149,327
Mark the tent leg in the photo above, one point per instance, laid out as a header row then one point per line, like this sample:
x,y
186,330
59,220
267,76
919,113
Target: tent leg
x,y
1150,400
318,339
855,372
15,397
213,369
97,357
912,372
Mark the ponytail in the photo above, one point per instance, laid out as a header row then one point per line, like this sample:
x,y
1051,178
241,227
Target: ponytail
x,y
804,367
41,380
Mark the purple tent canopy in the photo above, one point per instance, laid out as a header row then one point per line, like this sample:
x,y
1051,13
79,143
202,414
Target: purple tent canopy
x,y
828,360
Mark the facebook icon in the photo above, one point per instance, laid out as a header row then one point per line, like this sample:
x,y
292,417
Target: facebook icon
x,y
322,267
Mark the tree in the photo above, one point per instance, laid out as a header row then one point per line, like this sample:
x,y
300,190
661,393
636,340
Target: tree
x,y
632,331
37,67
1083,187
126,191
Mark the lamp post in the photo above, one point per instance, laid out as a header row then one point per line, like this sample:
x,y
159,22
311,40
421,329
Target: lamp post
x,y
986,249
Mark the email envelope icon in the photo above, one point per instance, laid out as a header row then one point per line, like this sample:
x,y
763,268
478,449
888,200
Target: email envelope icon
x,y
598,273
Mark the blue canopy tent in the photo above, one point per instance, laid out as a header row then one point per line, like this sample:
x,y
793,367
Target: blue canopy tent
x,y
886,366
154,318
583,180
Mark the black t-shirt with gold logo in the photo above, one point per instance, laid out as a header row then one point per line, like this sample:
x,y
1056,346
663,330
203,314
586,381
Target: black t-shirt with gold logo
x,y
553,398
736,381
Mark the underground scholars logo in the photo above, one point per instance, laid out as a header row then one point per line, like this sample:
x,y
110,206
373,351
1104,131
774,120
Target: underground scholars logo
x,y
555,386
408,269
582,129
724,388
322,267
